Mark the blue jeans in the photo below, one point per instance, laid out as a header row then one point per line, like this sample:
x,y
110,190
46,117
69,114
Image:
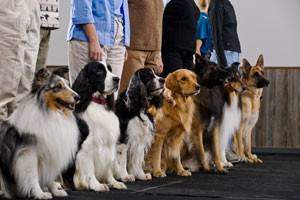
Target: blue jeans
x,y
231,57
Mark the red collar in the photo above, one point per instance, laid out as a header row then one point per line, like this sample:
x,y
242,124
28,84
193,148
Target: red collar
x,y
99,100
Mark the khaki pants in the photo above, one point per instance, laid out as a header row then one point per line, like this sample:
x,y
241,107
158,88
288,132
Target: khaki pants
x,y
43,48
19,31
137,60
114,56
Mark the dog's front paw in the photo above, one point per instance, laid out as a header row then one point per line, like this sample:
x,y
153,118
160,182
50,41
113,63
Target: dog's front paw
x,y
159,174
119,185
44,195
100,188
60,193
228,164
145,177
129,178
184,173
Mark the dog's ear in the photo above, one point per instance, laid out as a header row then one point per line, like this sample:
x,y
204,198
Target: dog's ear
x,y
260,61
137,92
201,61
246,67
40,78
171,82
61,71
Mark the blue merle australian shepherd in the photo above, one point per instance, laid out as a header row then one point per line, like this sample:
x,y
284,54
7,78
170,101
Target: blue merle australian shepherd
x,y
39,140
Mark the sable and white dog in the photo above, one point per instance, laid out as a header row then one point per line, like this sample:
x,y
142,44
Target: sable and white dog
x,y
136,109
96,160
39,141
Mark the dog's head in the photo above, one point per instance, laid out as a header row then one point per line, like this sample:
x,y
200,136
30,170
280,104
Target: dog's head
x,y
143,86
43,75
99,78
209,74
56,94
183,82
254,75
235,81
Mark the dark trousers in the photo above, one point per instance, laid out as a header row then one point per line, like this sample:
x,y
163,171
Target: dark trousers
x,y
174,59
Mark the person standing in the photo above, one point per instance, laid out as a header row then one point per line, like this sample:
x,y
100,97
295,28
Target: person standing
x,y
226,41
19,42
179,35
49,10
145,38
204,33
99,30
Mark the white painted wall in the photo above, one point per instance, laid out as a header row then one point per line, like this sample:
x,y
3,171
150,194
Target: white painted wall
x,y
271,27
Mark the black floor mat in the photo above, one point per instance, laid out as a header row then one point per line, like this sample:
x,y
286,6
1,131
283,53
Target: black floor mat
x,y
277,178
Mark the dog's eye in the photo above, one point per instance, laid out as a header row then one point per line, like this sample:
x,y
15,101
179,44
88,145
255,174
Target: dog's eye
x,y
59,86
184,78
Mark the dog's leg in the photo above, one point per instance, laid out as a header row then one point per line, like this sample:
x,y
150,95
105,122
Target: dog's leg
x,y
85,177
113,182
136,161
197,136
240,145
156,155
216,150
174,149
57,190
252,158
26,174
120,168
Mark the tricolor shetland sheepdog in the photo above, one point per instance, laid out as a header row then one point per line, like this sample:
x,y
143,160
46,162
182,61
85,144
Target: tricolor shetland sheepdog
x,y
135,109
96,160
218,114
39,140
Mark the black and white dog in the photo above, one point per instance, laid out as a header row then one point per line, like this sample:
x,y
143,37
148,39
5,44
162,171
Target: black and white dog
x,y
134,109
96,160
39,140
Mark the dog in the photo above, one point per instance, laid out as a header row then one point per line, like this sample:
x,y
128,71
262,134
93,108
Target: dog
x,y
96,160
136,108
172,122
39,140
251,100
217,116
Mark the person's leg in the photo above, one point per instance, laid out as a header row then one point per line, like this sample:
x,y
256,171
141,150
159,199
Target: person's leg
x,y
30,53
43,48
232,57
15,18
172,61
78,57
135,60
153,60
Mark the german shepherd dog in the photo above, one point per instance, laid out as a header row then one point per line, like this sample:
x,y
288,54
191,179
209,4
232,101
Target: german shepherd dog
x,y
251,99
218,114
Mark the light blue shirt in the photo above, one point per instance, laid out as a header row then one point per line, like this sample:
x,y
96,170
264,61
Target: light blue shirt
x,y
118,10
102,14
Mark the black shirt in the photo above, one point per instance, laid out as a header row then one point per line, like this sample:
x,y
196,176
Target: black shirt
x,y
224,28
179,25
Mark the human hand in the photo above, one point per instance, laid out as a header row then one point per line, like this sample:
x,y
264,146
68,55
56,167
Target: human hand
x,y
95,51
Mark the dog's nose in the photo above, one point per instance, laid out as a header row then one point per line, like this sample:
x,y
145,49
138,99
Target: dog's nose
x,y
161,80
267,82
116,79
77,98
197,87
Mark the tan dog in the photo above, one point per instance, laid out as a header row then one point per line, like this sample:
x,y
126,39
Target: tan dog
x,y
251,100
173,121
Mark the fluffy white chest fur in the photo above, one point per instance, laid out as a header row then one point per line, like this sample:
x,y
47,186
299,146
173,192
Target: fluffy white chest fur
x,y
56,134
229,125
103,137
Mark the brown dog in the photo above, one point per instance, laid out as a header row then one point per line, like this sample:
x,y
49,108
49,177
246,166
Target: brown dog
x,y
172,122
251,100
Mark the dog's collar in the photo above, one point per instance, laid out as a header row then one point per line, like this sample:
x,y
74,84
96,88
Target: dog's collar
x,y
99,100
